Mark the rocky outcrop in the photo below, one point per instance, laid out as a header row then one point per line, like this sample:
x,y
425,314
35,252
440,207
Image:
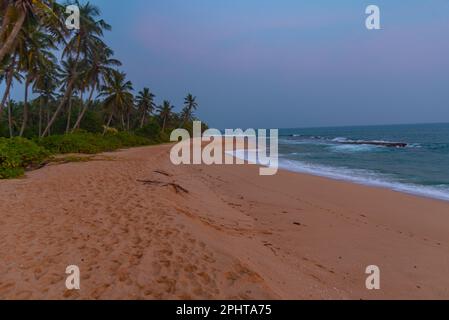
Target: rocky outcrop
x,y
380,143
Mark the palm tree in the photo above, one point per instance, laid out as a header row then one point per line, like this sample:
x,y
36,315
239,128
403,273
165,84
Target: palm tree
x,y
11,133
190,105
145,104
99,66
117,95
8,73
165,112
71,72
32,31
126,113
5,18
81,46
48,13
35,55
45,85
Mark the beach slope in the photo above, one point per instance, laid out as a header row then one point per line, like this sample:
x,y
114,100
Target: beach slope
x,y
140,228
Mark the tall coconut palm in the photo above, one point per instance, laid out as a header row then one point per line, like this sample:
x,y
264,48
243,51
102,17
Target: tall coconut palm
x,y
165,112
35,55
8,73
71,72
11,133
117,94
81,46
99,66
127,111
190,105
145,104
45,85
48,13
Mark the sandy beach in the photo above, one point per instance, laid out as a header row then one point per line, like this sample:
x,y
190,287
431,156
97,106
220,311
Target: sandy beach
x,y
214,232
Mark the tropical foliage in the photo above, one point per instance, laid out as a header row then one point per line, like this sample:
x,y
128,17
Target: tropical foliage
x,y
73,89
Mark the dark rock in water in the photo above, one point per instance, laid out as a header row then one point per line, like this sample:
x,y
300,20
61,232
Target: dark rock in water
x,y
380,143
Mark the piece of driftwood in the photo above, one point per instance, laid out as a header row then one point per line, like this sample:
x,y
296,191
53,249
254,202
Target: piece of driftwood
x,y
37,166
175,186
162,173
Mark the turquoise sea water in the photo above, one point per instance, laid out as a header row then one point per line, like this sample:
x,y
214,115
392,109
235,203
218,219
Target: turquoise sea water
x,y
357,154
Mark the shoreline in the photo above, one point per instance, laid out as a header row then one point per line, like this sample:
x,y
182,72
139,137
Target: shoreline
x,y
232,235
401,187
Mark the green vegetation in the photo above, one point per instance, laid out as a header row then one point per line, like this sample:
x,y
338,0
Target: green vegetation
x,y
76,99
18,154
90,143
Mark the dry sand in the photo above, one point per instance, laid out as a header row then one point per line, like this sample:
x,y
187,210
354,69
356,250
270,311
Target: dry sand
x,y
234,235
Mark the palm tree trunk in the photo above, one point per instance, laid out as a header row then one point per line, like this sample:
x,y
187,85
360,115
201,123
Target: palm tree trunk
x,y
8,45
81,104
5,23
48,121
69,115
123,120
67,93
11,134
142,121
108,123
163,124
25,108
110,120
128,120
85,106
41,102
7,89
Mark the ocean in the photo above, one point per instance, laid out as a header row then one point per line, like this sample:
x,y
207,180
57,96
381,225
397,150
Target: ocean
x,y
407,158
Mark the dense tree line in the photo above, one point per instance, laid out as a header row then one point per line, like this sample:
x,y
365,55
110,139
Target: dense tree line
x,y
70,78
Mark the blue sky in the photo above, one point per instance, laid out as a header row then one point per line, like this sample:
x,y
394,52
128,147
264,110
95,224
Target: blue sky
x,y
288,63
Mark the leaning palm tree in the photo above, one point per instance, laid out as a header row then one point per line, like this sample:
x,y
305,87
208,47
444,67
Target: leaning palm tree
x,y
145,104
35,55
8,73
126,113
17,13
45,85
5,18
190,105
165,112
71,72
117,95
99,66
81,46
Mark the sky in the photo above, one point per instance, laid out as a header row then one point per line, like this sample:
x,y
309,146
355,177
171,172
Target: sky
x,y
288,63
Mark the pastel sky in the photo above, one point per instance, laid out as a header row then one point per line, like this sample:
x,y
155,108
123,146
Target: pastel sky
x,y
288,63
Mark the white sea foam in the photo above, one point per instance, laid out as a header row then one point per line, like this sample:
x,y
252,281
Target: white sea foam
x,y
365,177
359,176
340,139
355,148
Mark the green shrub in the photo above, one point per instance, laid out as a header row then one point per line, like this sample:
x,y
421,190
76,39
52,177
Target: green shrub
x,y
17,154
79,142
164,137
90,143
151,130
